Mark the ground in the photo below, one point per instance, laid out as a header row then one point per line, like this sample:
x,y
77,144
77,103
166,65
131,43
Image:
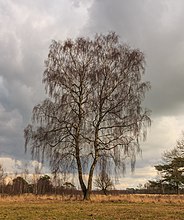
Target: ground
x,y
102,208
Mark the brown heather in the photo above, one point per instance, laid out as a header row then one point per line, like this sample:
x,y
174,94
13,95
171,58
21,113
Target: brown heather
x,y
127,198
138,207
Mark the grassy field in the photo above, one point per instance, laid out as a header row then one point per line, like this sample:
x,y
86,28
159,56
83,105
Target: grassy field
x,y
110,207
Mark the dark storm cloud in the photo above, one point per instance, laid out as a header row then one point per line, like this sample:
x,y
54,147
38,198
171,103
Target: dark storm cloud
x,y
27,28
156,28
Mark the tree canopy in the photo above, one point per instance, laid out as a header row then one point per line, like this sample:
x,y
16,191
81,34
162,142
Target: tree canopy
x,y
172,168
94,106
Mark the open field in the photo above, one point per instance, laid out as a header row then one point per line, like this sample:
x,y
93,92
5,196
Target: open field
x,y
100,207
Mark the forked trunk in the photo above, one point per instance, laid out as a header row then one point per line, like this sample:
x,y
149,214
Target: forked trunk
x,y
86,195
104,191
81,181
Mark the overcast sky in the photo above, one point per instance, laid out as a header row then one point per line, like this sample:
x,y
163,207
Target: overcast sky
x,y
153,26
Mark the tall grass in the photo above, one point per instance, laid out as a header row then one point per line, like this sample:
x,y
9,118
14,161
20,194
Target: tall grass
x,y
130,198
145,198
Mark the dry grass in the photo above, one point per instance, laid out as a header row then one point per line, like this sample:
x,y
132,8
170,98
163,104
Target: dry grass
x,y
140,207
39,198
128,198
144,198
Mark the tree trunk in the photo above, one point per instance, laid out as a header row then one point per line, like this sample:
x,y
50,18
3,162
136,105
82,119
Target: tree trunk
x,y
163,191
90,180
81,181
177,188
79,166
86,195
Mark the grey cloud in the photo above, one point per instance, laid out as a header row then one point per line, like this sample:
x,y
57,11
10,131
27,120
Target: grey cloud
x,y
27,28
10,138
156,28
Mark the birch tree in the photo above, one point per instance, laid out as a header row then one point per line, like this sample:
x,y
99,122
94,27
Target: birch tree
x,y
94,106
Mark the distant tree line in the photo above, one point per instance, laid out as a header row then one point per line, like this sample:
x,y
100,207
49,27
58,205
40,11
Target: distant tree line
x,y
103,184
43,185
170,179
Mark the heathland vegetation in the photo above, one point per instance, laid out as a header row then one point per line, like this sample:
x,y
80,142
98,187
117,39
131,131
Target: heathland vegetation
x,y
140,207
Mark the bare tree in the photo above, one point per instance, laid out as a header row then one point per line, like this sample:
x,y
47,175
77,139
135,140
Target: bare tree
x,y
25,170
95,92
2,178
2,173
104,182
